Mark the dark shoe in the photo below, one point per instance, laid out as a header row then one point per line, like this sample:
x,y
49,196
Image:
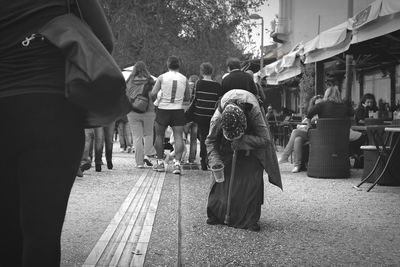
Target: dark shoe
x,y
212,221
79,173
204,165
110,165
147,162
255,227
98,167
86,166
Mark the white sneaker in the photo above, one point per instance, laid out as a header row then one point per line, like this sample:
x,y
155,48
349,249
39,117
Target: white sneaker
x,y
177,169
296,169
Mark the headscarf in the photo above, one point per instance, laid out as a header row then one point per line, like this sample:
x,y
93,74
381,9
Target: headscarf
x,y
234,122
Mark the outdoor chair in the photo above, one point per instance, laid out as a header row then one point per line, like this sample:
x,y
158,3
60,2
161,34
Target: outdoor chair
x,y
329,149
372,152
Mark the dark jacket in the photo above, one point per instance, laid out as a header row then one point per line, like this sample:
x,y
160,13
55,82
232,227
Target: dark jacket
x,y
362,113
238,79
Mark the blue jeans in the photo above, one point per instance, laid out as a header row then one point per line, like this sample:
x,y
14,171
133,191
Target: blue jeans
x,y
99,136
191,129
202,135
290,145
142,125
125,135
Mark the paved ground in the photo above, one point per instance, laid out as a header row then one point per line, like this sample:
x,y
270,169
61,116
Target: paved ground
x,y
313,222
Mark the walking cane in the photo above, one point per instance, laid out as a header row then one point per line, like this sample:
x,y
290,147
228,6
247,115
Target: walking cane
x,y
228,207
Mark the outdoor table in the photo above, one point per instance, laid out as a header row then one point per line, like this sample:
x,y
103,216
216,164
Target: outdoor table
x,y
359,128
384,155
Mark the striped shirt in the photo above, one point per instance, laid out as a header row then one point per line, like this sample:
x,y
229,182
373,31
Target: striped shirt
x,y
207,95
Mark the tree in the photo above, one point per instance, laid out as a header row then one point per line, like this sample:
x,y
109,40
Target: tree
x,y
195,31
307,85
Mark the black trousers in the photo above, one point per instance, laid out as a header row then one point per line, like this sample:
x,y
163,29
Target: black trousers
x,y
202,132
41,142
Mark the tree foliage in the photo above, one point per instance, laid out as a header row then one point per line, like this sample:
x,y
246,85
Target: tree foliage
x,y
307,85
195,31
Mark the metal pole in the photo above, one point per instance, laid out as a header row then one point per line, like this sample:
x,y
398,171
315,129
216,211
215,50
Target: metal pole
x,y
262,44
349,59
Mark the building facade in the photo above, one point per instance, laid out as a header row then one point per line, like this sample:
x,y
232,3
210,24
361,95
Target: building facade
x,y
301,21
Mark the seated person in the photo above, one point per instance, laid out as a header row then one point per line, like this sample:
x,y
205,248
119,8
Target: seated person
x,y
270,115
334,107
301,135
367,104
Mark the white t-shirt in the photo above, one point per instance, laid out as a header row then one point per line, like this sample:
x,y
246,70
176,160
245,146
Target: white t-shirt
x,y
172,86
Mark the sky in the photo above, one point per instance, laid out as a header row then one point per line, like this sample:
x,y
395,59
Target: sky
x,y
267,11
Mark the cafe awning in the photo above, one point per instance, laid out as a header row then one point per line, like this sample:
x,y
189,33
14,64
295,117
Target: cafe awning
x,y
379,18
286,67
328,43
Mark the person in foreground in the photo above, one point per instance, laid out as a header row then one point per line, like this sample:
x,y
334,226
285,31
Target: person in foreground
x,y
238,124
37,172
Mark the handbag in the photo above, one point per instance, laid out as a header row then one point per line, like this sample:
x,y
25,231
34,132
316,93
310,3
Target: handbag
x,y
140,102
93,80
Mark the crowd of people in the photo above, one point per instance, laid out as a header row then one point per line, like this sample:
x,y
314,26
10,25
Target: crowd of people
x,y
226,116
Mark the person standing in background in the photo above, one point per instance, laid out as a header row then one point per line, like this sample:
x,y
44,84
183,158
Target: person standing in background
x,y
260,92
124,135
206,97
38,172
190,128
103,138
142,123
237,79
174,95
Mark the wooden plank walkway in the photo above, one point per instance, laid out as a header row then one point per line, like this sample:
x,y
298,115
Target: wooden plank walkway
x,y
125,241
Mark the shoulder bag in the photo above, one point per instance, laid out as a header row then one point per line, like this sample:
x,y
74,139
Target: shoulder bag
x,y
140,100
93,80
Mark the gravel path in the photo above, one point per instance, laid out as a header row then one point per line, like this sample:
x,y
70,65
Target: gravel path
x,y
313,222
